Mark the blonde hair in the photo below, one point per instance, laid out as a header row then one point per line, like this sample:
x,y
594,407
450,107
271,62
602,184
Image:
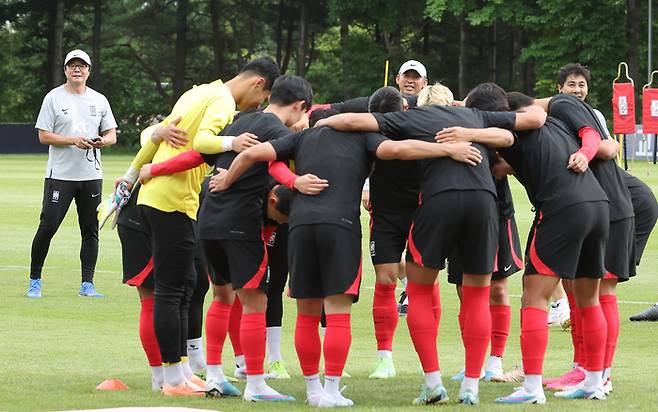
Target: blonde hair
x,y
435,95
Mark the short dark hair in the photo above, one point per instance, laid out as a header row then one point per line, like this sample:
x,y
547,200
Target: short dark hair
x,y
489,97
319,114
385,99
290,89
265,67
284,196
518,100
575,69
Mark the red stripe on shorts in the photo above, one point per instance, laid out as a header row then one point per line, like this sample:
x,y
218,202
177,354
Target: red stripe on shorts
x,y
138,279
541,267
515,258
255,280
354,289
415,254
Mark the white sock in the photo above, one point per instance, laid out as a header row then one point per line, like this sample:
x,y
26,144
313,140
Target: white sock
x,y
185,367
195,354
532,383
470,384
240,362
332,384
404,282
157,374
606,374
215,372
323,331
385,354
593,380
313,384
256,383
274,343
173,374
432,379
494,363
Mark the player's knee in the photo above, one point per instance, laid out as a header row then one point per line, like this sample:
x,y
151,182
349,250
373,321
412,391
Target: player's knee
x,y
498,293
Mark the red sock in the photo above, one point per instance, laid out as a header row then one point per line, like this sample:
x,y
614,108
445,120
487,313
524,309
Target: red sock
x,y
595,332
216,329
234,327
436,303
534,339
252,338
337,341
385,315
477,328
460,318
501,316
611,313
575,332
147,333
307,344
422,324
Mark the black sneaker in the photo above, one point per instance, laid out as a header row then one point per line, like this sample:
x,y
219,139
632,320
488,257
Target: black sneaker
x,y
649,315
402,304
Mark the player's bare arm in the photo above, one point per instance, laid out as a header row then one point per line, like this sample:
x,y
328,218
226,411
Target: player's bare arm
x,y
415,150
491,136
351,122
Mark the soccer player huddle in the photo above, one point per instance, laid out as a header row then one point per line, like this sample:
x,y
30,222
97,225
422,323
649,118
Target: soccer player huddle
x,y
438,188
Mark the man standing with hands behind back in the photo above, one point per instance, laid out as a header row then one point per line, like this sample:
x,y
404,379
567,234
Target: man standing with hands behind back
x,y
76,122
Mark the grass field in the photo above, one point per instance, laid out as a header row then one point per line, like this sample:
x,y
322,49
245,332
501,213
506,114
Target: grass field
x,y
55,350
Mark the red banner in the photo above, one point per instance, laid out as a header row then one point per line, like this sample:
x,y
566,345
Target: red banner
x,y
623,108
650,110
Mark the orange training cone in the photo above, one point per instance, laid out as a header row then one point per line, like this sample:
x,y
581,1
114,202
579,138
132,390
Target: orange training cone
x,y
112,385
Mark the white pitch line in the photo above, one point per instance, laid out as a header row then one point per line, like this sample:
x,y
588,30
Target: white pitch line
x,y
22,267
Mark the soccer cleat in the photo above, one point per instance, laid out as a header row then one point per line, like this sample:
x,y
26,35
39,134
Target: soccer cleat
x,y
607,387
469,398
403,303
649,315
35,289
267,395
156,384
313,399
240,373
384,369
521,396
197,381
460,376
88,289
579,392
515,375
559,312
569,379
215,389
277,370
429,396
490,374
184,389
334,400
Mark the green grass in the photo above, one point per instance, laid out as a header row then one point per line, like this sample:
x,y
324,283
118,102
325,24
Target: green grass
x,y
55,350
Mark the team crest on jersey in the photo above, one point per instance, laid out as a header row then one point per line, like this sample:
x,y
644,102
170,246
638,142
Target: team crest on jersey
x,y
92,110
55,196
372,248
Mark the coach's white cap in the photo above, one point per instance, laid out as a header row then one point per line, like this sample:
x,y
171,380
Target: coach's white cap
x,y
415,66
77,54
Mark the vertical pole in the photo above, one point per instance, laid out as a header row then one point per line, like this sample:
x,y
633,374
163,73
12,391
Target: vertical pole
x,y
386,74
623,144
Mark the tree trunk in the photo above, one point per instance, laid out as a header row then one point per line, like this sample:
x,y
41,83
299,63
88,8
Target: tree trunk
x,y
286,57
461,79
218,36
633,34
494,51
55,44
181,47
96,45
426,37
302,46
344,57
279,31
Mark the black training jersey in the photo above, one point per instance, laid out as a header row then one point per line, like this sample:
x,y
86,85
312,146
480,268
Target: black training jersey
x,y
130,216
443,174
576,114
539,158
360,104
344,159
236,213
504,202
395,185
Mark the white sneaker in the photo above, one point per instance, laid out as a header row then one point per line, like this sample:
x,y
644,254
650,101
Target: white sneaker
x,y
559,312
334,400
607,387
156,384
265,394
240,372
313,398
522,396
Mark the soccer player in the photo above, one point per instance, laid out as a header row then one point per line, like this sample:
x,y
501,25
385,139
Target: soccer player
x,y
171,202
324,238
76,122
230,226
471,224
567,240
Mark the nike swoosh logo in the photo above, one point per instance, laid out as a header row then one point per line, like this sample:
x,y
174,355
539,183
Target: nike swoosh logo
x,y
97,194
507,268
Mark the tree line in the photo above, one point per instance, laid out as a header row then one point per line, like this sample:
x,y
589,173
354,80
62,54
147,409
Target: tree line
x,y
146,53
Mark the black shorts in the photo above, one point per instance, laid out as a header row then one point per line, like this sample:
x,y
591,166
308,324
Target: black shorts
x,y
620,250
325,260
388,235
570,244
277,257
460,222
243,263
508,259
136,257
